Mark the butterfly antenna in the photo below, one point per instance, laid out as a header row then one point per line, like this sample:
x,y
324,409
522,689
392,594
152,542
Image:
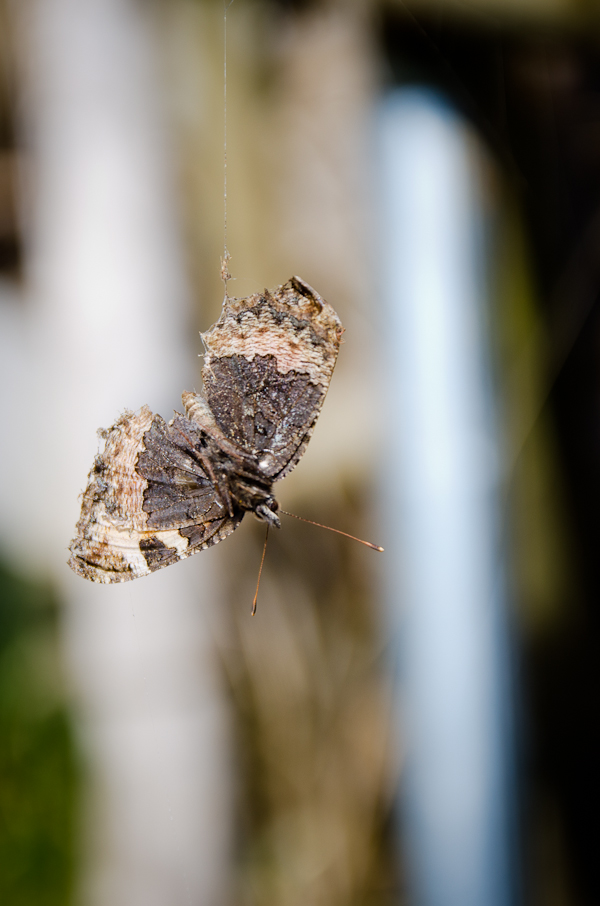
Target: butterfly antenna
x,y
260,572
374,547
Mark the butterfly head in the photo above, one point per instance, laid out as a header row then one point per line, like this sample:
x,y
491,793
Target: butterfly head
x,y
267,512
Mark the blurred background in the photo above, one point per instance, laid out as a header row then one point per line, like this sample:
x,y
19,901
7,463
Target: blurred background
x,y
418,727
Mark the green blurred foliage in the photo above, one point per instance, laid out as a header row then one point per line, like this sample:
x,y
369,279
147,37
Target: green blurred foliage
x,y
39,775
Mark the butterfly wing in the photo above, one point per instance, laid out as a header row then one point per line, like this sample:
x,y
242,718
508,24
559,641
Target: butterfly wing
x,y
268,364
150,498
148,502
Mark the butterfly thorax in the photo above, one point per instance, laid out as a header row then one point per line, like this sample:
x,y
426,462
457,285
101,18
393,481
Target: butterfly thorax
x,y
240,484
237,477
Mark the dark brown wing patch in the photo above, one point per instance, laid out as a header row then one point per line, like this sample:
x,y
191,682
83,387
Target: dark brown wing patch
x,y
267,413
178,492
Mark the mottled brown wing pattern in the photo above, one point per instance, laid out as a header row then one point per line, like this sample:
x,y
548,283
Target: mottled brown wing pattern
x,y
147,504
159,492
268,364
263,411
178,492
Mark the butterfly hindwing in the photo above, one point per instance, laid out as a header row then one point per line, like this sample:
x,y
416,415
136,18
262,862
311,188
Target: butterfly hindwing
x,y
147,504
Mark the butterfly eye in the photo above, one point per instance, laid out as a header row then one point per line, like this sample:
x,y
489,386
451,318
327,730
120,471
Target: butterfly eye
x,y
272,504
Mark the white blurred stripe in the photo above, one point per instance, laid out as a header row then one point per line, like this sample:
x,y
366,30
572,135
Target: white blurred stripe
x,y
107,309
446,576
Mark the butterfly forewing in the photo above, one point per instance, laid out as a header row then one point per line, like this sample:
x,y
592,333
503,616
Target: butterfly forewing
x,y
268,365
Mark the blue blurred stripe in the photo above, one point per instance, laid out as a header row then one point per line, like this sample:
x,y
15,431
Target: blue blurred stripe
x,y
446,572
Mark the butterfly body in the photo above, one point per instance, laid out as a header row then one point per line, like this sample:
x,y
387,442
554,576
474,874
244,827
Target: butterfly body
x,y
159,491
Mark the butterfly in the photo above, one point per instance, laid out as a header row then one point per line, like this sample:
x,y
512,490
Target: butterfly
x,y
159,492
